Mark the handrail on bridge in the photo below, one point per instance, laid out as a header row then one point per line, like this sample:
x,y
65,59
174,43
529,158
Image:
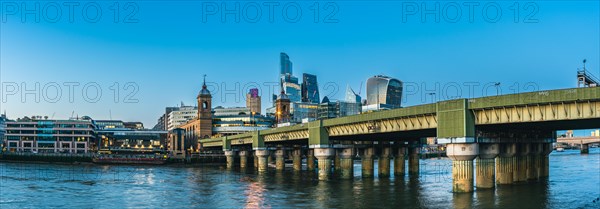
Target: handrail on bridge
x,y
588,75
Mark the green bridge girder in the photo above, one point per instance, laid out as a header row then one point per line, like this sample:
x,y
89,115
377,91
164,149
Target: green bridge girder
x,y
455,117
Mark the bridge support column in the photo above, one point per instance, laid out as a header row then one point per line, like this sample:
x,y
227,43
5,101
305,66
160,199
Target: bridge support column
x,y
505,163
384,162
585,149
243,159
324,161
229,155
399,162
255,161
297,158
521,163
462,156
545,160
261,156
270,159
346,163
280,159
367,162
310,160
336,161
533,161
485,174
413,161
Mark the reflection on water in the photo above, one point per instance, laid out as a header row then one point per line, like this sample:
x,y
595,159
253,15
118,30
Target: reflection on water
x,y
574,183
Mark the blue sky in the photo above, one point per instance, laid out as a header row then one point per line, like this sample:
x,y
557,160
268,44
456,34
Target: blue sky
x,y
166,52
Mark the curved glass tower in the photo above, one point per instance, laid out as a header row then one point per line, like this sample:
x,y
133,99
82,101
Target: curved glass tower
x,y
384,90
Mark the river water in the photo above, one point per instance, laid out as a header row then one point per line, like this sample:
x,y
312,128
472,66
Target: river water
x,y
574,182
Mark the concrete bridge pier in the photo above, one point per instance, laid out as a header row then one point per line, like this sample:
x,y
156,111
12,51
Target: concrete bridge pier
x,y
534,161
297,158
324,156
255,160
413,161
243,158
585,149
384,162
336,161
280,159
521,162
485,165
310,160
346,163
229,156
462,156
545,160
400,162
505,163
262,162
367,162
270,159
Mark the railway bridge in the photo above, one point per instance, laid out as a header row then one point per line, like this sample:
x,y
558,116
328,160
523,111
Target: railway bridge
x,y
501,139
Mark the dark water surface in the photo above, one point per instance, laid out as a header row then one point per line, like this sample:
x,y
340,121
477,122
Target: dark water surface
x,y
574,182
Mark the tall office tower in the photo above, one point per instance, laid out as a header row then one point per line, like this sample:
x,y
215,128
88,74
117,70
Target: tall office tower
x,y
384,90
288,81
310,88
286,64
253,101
352,97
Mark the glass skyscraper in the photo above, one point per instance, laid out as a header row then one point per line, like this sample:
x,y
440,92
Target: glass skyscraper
x,y
286,64
352,97
288,81
310,88
384,90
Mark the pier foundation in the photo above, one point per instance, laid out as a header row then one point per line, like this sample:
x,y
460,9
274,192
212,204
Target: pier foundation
x,y
533,161
505,163
462,156
413,161
297,159
384,162
485,166
399,162
521,163
367,162
324,156
336,161
545,160
255,160
346,163
243,159
280,159
229,156
262,162
585,149
310,160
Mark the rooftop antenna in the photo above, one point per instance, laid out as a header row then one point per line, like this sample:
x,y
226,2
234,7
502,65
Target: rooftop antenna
x,y
72,113
110,114
584,61
52,118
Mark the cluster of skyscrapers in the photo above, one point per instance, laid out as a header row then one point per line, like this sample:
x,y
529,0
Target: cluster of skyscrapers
x,y
383,92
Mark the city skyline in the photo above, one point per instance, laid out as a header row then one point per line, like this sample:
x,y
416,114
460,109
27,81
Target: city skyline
x,y
168,70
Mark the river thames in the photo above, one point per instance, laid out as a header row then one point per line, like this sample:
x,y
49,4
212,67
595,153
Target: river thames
x,y
574,182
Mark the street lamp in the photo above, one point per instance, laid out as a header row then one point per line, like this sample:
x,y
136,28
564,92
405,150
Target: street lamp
x,y
497,84
432,96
